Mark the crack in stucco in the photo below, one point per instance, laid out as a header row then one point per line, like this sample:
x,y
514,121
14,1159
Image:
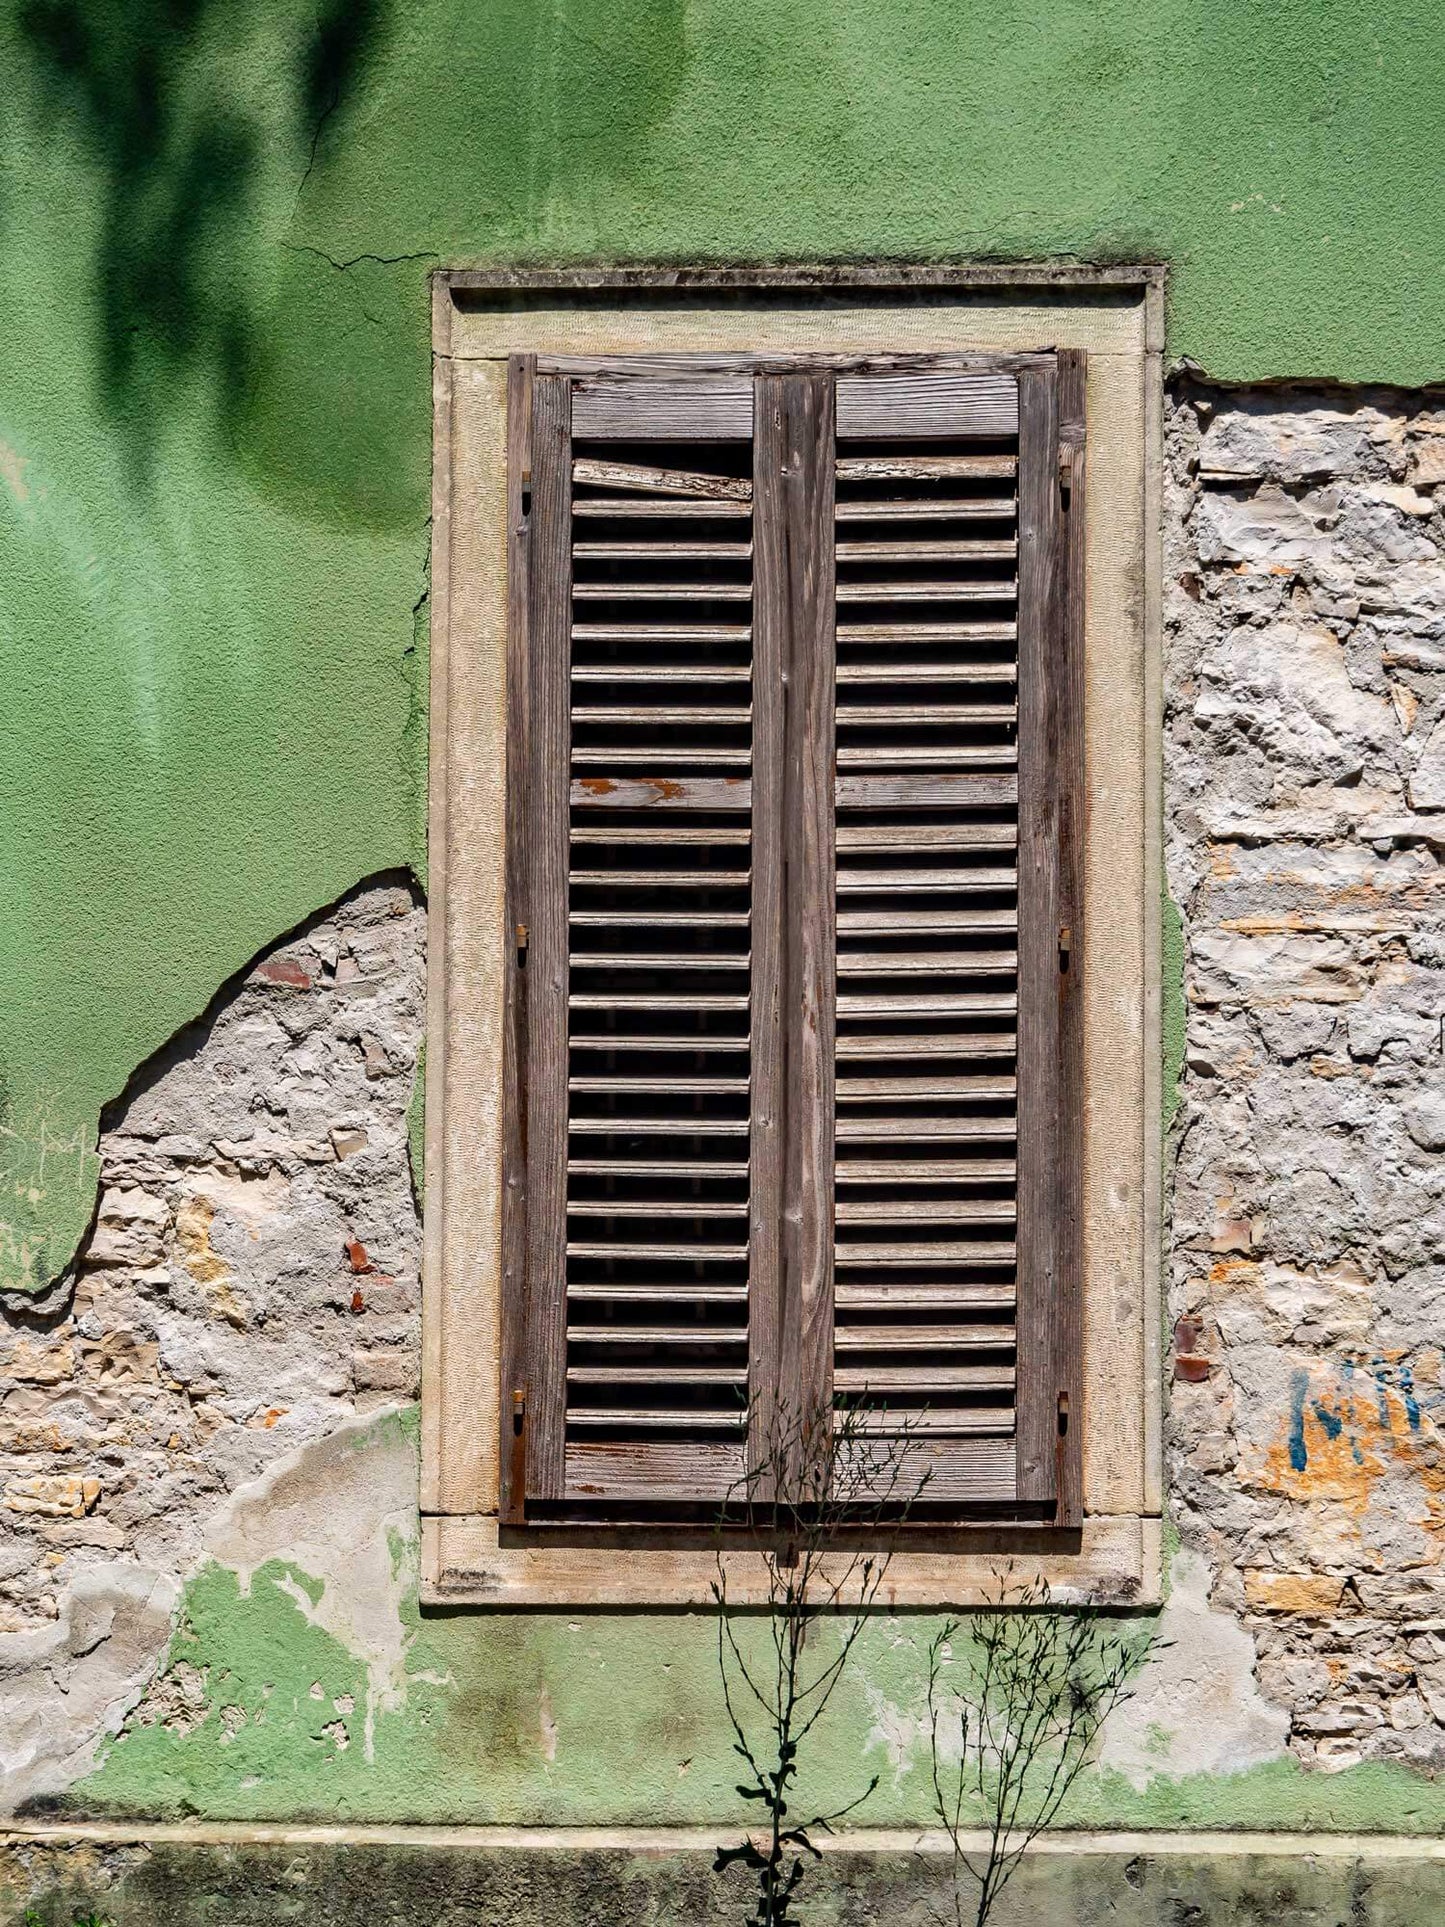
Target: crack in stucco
x,y
357,260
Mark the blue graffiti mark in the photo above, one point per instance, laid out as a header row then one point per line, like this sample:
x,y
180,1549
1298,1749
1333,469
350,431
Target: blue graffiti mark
x,y
1299,1386
1407,1392
1355,1453
1331,1421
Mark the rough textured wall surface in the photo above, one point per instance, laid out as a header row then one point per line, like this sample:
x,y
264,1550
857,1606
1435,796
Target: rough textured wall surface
x,y
219,217
250,1287
208,1516
1305,816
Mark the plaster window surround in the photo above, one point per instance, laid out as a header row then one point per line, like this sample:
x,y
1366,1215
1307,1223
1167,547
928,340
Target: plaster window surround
x,y
483,320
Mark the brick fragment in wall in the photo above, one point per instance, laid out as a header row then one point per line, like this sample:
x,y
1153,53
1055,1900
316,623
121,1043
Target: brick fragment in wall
x,y
1305,824
216,1325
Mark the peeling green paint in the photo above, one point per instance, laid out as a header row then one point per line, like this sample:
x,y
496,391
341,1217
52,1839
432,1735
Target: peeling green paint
x,y
274,1687
582,1719
214,403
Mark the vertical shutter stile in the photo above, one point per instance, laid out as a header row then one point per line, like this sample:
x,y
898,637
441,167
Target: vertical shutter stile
x,y
793,1357
549,577
1069,1314
1042,921
767,1309
949,1250
512,1468
1050,934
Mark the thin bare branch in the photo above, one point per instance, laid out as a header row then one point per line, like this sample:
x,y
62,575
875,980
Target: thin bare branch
x,y
823,1508
1030,1700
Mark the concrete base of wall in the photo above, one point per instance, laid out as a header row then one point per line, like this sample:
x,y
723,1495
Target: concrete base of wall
x,y
474,1877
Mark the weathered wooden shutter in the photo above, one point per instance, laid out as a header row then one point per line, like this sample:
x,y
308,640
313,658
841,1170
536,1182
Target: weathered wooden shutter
x,y
627,1342
958,925
793,835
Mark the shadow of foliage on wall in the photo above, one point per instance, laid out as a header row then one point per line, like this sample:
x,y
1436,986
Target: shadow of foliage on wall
x,y
140,86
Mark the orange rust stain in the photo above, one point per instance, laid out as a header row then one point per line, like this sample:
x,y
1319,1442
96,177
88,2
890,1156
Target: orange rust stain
x,y
667,787
1227,1271
596,785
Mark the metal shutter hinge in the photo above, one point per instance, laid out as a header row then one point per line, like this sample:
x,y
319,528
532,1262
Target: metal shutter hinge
x,y
1066,944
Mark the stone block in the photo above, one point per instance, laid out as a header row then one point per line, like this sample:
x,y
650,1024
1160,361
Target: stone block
x,y
37,1363
1246,443
53,1496
383,1371
1427,779
1308,1593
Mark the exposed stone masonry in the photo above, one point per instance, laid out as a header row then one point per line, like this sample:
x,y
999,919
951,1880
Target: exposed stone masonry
x,y
1305,817
253,1275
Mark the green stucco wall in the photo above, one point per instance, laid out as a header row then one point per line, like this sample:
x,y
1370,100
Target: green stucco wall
x,y
216,222
556,1719
270,1707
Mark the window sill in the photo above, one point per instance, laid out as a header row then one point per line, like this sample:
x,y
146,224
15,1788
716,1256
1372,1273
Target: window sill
x,y
1113,1561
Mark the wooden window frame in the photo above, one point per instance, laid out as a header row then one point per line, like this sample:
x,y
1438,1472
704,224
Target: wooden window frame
x,y
482,319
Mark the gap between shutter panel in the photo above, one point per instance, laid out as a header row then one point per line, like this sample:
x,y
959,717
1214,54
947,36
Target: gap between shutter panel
x,y
926,1345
